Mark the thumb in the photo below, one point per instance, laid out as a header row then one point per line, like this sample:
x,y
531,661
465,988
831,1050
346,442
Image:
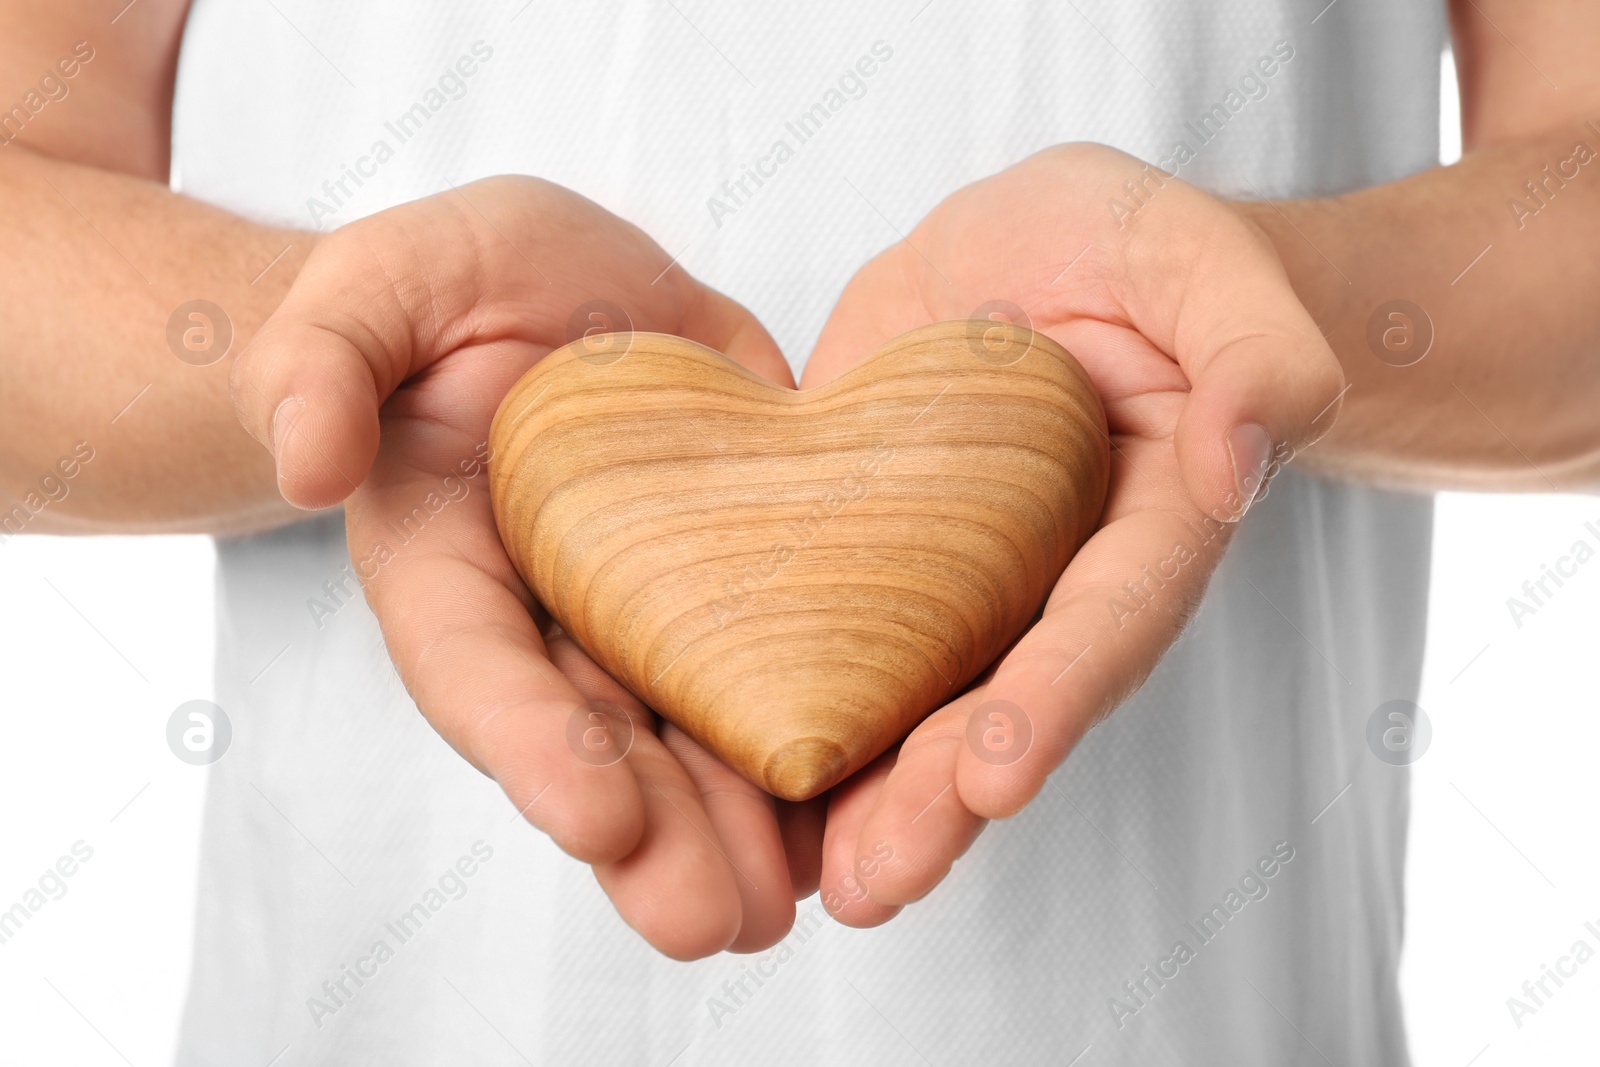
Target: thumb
x,y
309,383
371,307
307,394
1253,409
1264,384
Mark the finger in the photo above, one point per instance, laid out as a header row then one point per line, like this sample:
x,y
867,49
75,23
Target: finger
x,y
843,893
672,888
470,655
745,824
918,826
678,888
720,323
802,824
742,826
1121,603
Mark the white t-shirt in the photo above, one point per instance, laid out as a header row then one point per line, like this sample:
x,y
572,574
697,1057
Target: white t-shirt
x,y
1214,876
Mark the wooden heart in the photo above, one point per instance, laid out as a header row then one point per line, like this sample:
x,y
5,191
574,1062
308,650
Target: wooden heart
x,y
797,578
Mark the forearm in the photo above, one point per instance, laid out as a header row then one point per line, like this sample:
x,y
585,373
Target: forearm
x,y
97,264
1508,394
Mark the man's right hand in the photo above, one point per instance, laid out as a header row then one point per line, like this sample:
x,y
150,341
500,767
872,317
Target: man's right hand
x,y
373,383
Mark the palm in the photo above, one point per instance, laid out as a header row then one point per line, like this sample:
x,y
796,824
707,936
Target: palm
x,y
708,832
1143,308
469,314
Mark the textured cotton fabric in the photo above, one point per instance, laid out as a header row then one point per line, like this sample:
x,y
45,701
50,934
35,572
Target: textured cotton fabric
x,y
338,822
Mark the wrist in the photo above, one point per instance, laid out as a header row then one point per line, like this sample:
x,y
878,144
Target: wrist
x,y
1314,269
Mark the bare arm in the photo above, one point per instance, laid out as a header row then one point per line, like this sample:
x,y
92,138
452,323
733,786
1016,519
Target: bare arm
x,y
1508,396
99,254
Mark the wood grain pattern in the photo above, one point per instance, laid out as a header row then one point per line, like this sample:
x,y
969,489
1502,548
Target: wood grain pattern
x,y
797,578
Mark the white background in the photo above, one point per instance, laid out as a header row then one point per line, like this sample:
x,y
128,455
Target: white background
x,y
104,638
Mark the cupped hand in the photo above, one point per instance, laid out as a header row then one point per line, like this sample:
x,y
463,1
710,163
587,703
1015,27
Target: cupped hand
x,y
1212,375
374,383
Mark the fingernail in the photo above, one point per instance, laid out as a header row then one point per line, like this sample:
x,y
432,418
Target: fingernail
x,y
282,419
1250,449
